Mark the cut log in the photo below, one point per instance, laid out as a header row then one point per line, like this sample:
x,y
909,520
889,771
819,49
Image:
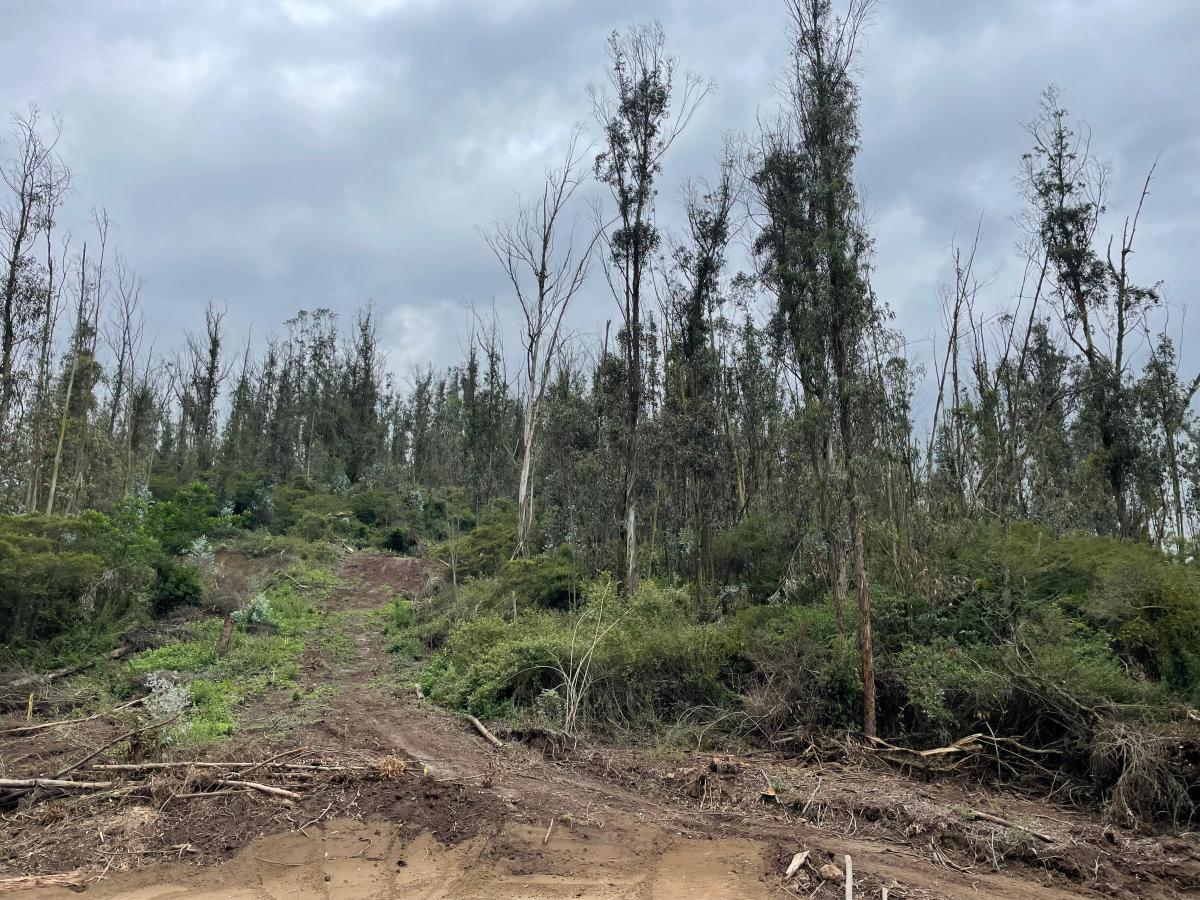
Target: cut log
x,y
794,866
487,735
242,766
64,784
72,880
255,786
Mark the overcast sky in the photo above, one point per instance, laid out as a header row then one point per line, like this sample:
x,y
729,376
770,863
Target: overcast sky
x,y
286,154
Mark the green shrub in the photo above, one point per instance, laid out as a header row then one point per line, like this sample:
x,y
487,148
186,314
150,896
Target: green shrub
x,y
312,527
752,556
59,576
190,513
490,544
649,664
399,540
178,584
547,582
947,687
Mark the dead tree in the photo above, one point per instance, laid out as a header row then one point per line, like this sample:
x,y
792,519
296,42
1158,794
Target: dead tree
x,y
35,181
545,271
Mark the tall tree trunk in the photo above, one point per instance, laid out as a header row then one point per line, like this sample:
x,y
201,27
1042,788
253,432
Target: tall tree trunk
x,y
66,407
524,485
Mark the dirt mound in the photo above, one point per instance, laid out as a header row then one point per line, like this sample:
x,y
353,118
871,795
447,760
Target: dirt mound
x,y
371,579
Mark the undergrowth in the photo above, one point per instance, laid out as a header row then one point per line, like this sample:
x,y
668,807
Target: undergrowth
x,y
261,656
1083,650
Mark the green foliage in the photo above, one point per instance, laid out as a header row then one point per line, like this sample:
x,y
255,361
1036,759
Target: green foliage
x,y
650,665
400,628
1130,603
211,717
179,584
69,583
947,686
752,556
489,545
548,582
812,672
256,660
183,657
190,513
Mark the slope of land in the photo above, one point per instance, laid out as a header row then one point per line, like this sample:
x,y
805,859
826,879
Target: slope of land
x,y
413,802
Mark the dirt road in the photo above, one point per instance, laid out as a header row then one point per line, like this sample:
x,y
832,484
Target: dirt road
x,y
470,821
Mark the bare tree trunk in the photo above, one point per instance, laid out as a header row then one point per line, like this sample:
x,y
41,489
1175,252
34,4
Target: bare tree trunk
x,y
524,486
865,641
66,407
631,576
545,273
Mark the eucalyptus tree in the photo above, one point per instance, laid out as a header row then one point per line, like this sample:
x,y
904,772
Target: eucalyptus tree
x,y
692,384
827,248
635,115
34,180
1101,308
204,376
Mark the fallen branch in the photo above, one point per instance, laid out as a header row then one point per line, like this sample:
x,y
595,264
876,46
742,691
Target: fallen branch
x,y
996,820
28,729
87,759
64,784
57,674
72,880
242,767
811,797
255,786
270,759
17,792
488,736
223,793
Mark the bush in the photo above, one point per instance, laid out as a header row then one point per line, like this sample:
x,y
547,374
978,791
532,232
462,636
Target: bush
x,y
399,540
486,548
650,666
179,584
547,582
752,556
189,514
66,578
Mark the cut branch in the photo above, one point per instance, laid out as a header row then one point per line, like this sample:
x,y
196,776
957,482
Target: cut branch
x,y
487,735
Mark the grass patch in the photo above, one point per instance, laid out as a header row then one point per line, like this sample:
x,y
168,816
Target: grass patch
x,y
399,623
263,657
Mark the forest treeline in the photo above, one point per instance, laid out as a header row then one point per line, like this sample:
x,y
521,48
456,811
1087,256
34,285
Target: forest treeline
x,y
736,467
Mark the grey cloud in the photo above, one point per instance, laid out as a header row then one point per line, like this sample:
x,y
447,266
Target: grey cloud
x,y
311,153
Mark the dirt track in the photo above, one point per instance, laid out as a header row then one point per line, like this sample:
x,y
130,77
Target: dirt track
x,y
471,821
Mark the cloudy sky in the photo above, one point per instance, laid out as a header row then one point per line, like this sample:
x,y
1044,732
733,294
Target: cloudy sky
x,y
286,154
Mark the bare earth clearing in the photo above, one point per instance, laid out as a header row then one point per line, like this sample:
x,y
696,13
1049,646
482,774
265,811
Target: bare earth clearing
x,y
435,811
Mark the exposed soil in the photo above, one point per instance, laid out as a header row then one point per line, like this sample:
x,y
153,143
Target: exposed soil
x,y
464,819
